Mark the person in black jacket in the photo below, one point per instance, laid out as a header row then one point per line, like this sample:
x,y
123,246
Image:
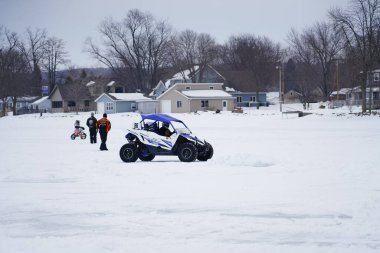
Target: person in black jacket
x,y
91,123
164,130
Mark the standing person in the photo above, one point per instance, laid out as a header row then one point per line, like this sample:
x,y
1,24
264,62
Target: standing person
x,y
104,126
91,123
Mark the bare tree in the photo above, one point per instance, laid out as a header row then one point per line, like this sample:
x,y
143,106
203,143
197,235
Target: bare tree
x,y
318,48
14,72
256,55
360,25
55,55
75,86
136,45
192,51
34,48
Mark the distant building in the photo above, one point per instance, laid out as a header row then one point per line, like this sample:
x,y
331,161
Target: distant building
x,y
292,97
71,98
192,97
43,104
250,99
125,102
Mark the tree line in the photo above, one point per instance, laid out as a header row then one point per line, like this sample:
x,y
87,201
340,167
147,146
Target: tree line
x,y
141,50
23,58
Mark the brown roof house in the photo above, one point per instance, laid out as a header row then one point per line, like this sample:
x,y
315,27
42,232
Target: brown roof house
x,y
192,97
71,97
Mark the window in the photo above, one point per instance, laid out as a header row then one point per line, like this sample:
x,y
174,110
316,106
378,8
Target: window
x,y
133,106
87,103
238,99
204,103
18,105
252,99
71,104
211,87
57,104
109,106
179,104
376,77
119,90
188,88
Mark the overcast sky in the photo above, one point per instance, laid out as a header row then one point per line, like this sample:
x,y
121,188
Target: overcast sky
x,y
75,20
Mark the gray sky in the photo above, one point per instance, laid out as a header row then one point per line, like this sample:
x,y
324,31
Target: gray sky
x,y
75,20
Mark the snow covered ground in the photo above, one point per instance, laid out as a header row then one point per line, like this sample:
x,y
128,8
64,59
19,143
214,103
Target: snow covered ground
x,y
275,184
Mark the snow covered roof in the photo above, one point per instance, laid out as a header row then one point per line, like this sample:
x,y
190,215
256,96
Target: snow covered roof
x,y
37,102
228,89
205,93
110,83
90,83
129,96
181,76
155,88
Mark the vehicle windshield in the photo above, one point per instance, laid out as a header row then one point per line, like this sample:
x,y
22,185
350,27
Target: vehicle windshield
x,y
180,128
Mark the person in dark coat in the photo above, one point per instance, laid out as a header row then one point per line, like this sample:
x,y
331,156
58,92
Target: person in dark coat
x,y
91,123
104,126
164,130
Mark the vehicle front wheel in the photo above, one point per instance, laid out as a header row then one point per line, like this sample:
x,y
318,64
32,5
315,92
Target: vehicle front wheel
x,y
72,136
83,136
128,153
208,155
187,152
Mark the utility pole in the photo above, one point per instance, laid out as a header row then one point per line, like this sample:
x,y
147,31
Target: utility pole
x,y
280,87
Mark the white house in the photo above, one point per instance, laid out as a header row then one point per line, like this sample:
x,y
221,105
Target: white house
x,y
42,104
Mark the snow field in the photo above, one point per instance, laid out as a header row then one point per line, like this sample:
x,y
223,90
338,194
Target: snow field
x,y
274,185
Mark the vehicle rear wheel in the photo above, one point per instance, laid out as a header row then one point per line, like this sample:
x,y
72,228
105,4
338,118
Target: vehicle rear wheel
x,y
208,154
72,136
187,152
83,136
128,153
146,158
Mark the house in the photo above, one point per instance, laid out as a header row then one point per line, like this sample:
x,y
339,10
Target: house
x,y
71,97
192,97
43,104
353,96
158,90
206,74
125,102
250,99
22,104
292,97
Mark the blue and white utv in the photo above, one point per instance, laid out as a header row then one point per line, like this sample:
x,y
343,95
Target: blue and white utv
x,y
161,134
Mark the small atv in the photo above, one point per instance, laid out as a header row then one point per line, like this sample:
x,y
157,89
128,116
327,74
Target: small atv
x,y
161,134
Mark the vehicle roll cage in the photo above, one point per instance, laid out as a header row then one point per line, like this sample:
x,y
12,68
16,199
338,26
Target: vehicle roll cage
x,y
164,118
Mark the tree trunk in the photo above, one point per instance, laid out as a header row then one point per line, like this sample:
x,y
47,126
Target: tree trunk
x,y
4,106
14,101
